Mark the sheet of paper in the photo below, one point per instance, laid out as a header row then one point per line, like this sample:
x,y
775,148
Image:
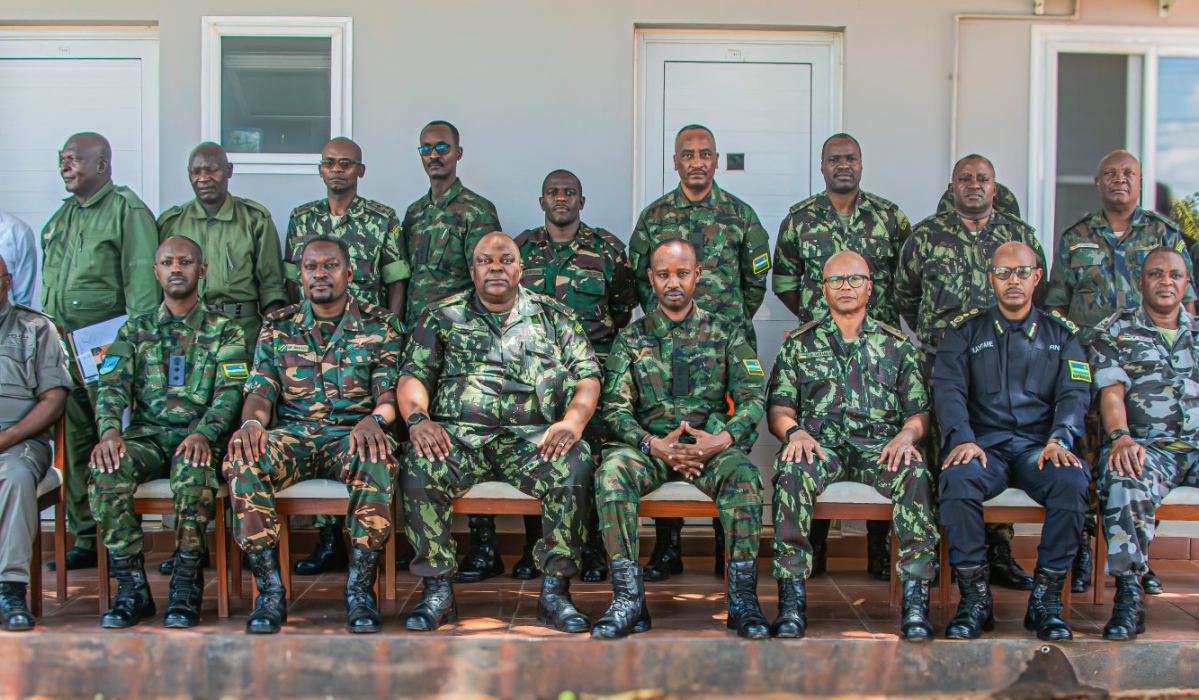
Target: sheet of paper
x,y
89,344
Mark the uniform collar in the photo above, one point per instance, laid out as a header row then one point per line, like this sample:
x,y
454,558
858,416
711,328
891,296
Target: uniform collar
x,y
351,319
661,324
525,305
192,320
541,235
1098,220
355,210
1185,320
225,213
97,197
862,203
829,327
1028,326
450,194
713,199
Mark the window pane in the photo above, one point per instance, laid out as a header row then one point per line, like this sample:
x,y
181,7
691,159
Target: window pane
x,y
1178,133
275,94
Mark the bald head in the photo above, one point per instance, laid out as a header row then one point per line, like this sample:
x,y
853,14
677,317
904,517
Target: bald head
x,y
346,146
841,272
85,163
92,143
497,240
1014,254
209,151
1117,156
846,263
209,170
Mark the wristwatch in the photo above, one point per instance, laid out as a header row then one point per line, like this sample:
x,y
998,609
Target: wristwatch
x,y
645,443
1060,442
415,418
380,420
791,431
1118,433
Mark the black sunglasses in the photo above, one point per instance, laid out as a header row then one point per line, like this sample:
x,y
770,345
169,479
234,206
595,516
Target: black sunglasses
x,y
442,148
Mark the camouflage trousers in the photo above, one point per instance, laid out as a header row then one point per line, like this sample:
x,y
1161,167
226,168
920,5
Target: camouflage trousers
x,y
796,487
730,479
1130,503
562,486
298,452
146,459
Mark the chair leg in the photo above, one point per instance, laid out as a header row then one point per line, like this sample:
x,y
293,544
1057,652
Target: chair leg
x,y
285,555
1099,581
35,573
1066,595
60,550
946,576
221,545
389,576
102,572
894,576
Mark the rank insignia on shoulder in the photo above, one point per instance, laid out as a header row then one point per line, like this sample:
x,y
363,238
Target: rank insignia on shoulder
x,y
1180,246
761,263
962,317
753,367
1079,371
1064,321
235,370
110,363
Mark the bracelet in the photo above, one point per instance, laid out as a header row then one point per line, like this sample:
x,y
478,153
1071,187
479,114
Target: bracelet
x,y
253,420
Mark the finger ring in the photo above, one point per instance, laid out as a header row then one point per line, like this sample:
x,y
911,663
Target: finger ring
x,y
908,450
237,441
562,444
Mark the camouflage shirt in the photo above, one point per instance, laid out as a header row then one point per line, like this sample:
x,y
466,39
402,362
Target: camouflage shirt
x,y
1005,202
1161,382
734,251
138,373
332,381
943,270
372,232
858,392
440,237
811,233
590,274
663,372
1095,273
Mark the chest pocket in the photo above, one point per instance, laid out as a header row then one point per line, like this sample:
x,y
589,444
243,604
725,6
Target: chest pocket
x,y
355,370
1141,358
820,398
298,375
984,369
648,371
878,254
17,376
816,248
201,373
534,278
882,410
943,281
1086,266
590,289
466,350
544,373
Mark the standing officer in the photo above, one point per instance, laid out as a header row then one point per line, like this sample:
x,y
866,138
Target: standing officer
x,y
848,402
1011,387
179,372
667,388
380,272
98,264
33,392
586,269
1144,358
498,383
325,368
943,274
1005,202
843,217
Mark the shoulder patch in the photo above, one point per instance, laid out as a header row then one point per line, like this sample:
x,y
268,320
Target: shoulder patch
x,y
761,263
378,208
1108,322
960,319
1064,321
1079,371
880,202
753,367
109,364
237,371
1161,219
523,238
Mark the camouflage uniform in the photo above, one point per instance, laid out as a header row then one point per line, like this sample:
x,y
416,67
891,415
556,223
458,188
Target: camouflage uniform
x,y
852,398
1161,400
661,373
323,377
166,406
734,251
1005,202
496,382
440,237
812,232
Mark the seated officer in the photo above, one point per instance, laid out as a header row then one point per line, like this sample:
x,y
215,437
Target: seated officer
x,y
848,402
179,372
1148,383
667,385
33,393
325,368
497,384
1010,389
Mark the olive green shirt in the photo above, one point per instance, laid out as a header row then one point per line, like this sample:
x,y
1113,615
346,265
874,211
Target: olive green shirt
x,y
32,361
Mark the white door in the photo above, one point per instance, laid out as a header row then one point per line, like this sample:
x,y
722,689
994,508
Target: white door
x,y
51,88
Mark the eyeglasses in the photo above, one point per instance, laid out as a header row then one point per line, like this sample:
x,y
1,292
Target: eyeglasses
x,y
838,281
342,163
442,148
1022,271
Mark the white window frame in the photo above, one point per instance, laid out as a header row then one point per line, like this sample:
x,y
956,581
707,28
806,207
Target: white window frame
x,y
339,30
1050,40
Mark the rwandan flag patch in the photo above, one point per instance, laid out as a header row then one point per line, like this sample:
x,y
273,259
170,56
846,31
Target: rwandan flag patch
x,y
761,263
235,370
753,367
1079,371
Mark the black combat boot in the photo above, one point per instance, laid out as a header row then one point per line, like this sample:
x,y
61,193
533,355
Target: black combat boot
x,y
525,568
718,540
77,558
436,607
878,549
187,590
14,614
1044,614
1081,581
1004,569
482,560
792,622
404,559
167,567
667,558
975,613
362,605
915,626
1151,584
270,607
745,613
133,602
595,560
1128,613
628,613
556,609
330,554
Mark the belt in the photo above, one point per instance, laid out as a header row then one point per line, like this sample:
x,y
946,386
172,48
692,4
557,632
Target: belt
x,y
242,309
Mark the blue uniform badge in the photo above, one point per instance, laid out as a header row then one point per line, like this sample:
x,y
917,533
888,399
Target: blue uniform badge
x,y
761,263
235,370
753,367
1079,371
110,363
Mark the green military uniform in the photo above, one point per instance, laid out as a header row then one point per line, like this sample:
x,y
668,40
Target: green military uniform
x,y
323,376
734,251
497,381
1005,202
176,376
813,231
1096,272
852,397
441,236
241,248
661,373
98,264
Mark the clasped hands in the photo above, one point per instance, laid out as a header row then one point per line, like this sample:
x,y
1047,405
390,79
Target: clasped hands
x,y
686,450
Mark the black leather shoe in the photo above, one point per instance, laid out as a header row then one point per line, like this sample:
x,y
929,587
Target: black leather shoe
x,y
270,607
14,613
362,605
1128,613
818,539
595,563
975,610
1080,581
167,567
1004,569
133,602
745,613
1151,584
718,539
330,554
186,591
792,622
556,609
525,568
482,560
628,613
878,549
914,626
1044,614
666,559
77,558
437,606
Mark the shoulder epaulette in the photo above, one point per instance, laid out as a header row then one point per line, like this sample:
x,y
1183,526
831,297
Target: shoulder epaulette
x,y
804,204
1106,323
22,307
926,221
1064,321
962,318
305,208
378,208
169,214
805,327
1081,221
523,237
1161,219
880,202
255,206
892,330
611,240
280,314
130,196
452,300
551,302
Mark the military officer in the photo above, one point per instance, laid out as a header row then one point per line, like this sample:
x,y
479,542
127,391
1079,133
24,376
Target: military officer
x,y
942,274
847,400
325,369
1005,202
498,384
98,264
179,372
585,268
34,384
379,262
843,217
1143,359
668,418
1011,387
441,230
